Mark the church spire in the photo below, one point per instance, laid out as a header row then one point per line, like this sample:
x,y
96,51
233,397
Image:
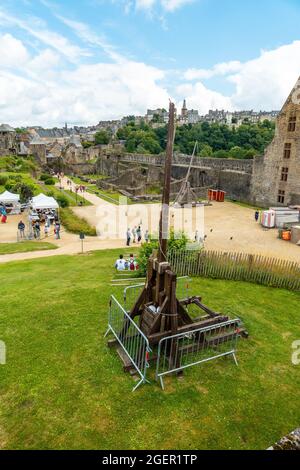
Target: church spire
x,y
184,109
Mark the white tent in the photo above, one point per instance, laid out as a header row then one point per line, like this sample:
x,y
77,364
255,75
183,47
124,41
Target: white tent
x,y
9,198
43,202
11,201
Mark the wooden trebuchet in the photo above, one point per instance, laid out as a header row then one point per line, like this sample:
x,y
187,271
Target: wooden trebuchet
x,y
161,313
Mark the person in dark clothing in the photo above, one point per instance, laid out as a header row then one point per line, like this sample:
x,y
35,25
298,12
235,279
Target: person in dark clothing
x,y
21,228
256,215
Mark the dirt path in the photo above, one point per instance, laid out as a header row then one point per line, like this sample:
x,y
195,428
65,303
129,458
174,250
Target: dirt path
x,y
228,227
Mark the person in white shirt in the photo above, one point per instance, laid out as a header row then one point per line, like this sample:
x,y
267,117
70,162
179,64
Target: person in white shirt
x,y
120,264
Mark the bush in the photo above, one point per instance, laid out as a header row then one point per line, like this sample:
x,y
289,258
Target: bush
x,y
75,224
63,201
45,177
15,178
50,182
176,242
3,180
8,186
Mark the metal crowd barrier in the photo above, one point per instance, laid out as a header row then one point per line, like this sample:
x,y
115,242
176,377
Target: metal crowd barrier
x,y
28,235
184,350
131,339
132,293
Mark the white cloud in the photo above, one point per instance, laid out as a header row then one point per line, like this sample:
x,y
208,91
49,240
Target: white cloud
x,y
262,83
48,95
44,88
265,82
166,5
37,29
12,51
223,68
201,98
171,5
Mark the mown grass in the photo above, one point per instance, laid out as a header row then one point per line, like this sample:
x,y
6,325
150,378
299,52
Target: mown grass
x,y
62,388
24,247
74,224
109,196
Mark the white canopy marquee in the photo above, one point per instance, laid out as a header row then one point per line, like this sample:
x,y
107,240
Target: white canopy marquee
x,y
43,202
9,198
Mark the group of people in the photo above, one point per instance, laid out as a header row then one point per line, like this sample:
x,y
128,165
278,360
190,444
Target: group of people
x,y
135,235
36,229
130,264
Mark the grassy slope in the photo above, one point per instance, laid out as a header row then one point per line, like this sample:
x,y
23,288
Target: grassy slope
x,y
24,247
74,224
63,388
40,187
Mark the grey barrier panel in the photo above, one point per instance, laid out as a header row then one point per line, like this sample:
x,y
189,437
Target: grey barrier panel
x,y
131,339
184,350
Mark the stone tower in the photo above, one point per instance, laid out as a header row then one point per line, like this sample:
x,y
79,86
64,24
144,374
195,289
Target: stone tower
x,y
276,175
184,109
8,143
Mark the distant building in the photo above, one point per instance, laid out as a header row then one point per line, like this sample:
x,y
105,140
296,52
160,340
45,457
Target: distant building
x,y
8,141
188,116
159,115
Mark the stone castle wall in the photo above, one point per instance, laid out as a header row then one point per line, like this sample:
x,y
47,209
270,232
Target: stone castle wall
x,y
267,182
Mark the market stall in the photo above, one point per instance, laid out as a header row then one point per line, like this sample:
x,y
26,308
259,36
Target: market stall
x,y
11,202
43,207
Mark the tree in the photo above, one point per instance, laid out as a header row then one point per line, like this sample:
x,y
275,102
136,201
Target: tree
x,y
218,140
102,138
206,151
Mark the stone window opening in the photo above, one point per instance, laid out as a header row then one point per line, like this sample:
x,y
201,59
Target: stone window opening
x,y
292,123
281,196
287,151
284,174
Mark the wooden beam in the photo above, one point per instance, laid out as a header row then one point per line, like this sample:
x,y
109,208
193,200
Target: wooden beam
x,y
164,216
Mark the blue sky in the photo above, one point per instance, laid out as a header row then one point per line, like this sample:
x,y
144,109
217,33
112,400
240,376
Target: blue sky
x,y
82,61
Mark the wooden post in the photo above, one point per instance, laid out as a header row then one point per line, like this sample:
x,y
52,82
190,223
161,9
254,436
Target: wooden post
x,y
164,216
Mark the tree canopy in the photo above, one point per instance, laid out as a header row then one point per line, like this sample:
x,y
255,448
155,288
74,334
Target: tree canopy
x,y
215,140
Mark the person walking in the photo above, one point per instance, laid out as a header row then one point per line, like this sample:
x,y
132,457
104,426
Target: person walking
x,y
46,230
256,215
21,228
134,234
128,236
147,236
57,230
37,230
139,234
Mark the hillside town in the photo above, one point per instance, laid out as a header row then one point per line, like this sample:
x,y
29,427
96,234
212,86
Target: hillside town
x,y
154,118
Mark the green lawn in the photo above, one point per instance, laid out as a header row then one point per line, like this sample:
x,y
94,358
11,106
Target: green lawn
x,y
75,224
24,247
109,196
63,388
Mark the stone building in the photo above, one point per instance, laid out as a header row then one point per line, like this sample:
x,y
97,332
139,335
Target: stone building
x,y
276,175
8,140
188,116
37,148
